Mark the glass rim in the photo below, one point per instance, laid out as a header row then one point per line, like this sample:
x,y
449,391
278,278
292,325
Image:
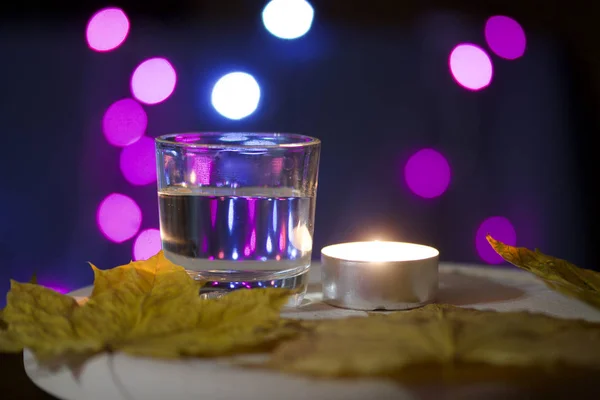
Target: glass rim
x,y
307,140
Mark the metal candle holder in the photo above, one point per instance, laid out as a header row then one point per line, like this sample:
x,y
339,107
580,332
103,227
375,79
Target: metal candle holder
x,y
379,275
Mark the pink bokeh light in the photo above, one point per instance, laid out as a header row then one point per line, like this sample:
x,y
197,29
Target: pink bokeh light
x,y
282,240
138,162
153,81
427,173
505,37
253,240
124,122
501,229
200,167
118,217
147,244
277,164
251,209
213,212
57,287
107,29
470,66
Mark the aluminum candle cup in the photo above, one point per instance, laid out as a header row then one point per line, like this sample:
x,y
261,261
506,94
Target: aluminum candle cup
x,y
379,275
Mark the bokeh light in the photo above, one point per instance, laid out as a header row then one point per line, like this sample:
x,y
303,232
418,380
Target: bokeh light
x,y
236,95
124,122
56,287
107,29
118,217
288,19
277,165
501,229
153,81
505,37
138,162
200,167
427,173
470,66
147,244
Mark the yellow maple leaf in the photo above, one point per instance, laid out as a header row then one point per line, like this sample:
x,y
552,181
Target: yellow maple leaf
x,y
40,319
241,321
140,275
8,343
558,274
149,308
439,336
3,324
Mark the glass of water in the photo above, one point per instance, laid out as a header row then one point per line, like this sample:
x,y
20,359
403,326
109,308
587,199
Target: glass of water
x,y
238,209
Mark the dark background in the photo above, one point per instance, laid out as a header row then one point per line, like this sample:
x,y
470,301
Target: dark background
x,y
370,79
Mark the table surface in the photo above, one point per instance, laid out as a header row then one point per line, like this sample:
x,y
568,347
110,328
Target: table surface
x,y
483,287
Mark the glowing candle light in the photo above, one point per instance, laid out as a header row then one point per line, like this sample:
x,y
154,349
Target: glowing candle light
x,y
379,275
377,251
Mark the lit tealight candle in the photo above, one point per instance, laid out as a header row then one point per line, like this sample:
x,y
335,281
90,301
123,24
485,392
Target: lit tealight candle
x,y
379,275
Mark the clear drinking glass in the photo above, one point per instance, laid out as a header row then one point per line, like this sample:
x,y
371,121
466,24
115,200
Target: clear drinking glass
x,y
238,209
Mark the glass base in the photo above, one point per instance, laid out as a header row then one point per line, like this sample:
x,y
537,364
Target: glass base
x,y
222,283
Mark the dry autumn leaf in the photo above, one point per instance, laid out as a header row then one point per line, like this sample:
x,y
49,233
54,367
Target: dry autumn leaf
x,y
438,336
3,324
7,340
558,274
239,322
148,308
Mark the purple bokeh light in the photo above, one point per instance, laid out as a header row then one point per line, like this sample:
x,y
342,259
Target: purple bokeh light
x,y
153,81
501,229
200,167
107,29
56,287
118,217
277,164
505,37
427,173
147,244
124,122
470,66
138,162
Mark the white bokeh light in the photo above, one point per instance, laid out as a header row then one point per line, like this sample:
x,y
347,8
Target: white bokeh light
x,y
288,19
236,95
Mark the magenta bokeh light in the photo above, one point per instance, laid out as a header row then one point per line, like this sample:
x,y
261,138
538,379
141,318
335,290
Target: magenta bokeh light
x,y
153,81
427,173
200,167
277,164
147,244
124,122
138,162
470,66
505,37
107,29
56,287
501,229
119,217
